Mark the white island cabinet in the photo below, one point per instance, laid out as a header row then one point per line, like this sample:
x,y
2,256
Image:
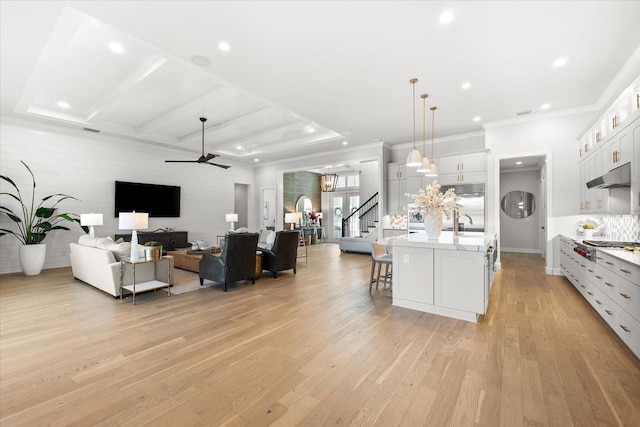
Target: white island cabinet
x,y
450,276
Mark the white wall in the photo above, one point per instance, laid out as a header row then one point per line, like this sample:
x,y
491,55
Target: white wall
x,y
86,165
521,234
555,137
369,180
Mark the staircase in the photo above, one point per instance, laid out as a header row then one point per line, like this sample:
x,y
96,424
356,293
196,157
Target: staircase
x,y
363,221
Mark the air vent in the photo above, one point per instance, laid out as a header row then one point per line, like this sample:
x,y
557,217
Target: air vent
x,y
522,113
91,130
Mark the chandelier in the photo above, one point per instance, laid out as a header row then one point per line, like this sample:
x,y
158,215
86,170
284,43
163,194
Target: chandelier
x,y
328,182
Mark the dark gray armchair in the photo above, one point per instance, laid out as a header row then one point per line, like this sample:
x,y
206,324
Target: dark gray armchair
x,y
283,254
236,262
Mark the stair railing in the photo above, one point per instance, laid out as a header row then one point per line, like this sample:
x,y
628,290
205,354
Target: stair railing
x,y
361,219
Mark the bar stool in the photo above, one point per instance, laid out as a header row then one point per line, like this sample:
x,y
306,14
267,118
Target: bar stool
x,y
380,257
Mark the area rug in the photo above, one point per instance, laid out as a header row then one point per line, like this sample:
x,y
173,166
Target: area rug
x,y
186,281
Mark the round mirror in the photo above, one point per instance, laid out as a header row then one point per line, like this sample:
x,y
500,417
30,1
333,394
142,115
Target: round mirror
x,y
518,204
303,204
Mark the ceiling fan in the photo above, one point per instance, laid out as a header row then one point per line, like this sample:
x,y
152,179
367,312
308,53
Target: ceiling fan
x,y
202,158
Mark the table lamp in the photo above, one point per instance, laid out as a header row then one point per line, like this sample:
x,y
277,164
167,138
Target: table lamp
x,y
133,221
290,218
232,217
91,219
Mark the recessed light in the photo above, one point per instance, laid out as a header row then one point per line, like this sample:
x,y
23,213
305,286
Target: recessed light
x,y
224,46
466,85
309,129
256,160
239,147
545,106
328,166
477,119
345,142
116,47
559,62
63,104
518,163
446,17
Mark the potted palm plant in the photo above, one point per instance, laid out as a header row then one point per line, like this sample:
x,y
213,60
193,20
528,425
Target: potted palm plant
x,y
34,222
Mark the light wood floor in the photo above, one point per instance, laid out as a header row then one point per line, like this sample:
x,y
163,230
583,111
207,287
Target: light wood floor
x,y
310,349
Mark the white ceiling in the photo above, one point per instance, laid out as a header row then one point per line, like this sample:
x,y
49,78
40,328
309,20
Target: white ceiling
x,y
303,77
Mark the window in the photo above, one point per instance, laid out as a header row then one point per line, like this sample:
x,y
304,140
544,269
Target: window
x,y
349,180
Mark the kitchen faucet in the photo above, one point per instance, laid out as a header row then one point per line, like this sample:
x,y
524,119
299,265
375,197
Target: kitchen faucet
x,y
470,220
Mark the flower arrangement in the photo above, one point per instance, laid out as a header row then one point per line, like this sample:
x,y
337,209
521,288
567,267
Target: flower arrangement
x,y
431,199
311,217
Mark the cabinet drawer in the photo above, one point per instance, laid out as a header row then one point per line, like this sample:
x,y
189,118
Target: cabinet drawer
x,y
629,272
629,298
628,329
607,261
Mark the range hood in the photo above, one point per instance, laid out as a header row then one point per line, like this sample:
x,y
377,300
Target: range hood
x,y
617,178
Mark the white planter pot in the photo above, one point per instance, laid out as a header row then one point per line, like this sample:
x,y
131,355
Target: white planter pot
x,y
32,258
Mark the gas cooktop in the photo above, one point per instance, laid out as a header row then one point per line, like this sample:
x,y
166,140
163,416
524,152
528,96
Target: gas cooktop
x,y
607,244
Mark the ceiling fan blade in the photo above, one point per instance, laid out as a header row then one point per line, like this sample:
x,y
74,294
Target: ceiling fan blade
x,y
181,161
219,165
210,156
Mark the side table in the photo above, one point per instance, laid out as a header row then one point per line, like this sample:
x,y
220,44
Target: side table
x,y
136,288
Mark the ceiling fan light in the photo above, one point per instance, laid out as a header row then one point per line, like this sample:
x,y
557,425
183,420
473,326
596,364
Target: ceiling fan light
x,y
414,159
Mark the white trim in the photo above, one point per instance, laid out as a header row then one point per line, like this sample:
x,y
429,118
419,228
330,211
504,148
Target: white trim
x,y
535,117
442,139
521,250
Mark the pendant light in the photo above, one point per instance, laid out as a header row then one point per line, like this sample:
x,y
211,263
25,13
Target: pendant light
x,y
434,167
414,159
425,167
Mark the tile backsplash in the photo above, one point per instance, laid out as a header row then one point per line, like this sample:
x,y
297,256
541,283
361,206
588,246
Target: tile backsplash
x,y
622,227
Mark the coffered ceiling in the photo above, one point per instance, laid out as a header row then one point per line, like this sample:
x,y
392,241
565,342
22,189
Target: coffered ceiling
x,y
302,77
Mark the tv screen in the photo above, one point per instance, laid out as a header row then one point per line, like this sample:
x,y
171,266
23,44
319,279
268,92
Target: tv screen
x,y
157,200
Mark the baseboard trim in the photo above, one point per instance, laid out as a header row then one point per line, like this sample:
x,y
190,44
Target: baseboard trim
x,y
521,251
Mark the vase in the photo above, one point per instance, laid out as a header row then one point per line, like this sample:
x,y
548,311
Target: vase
x,y
433,224
32,258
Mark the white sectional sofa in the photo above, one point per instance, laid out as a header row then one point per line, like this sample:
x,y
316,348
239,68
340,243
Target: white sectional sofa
x,y
96,261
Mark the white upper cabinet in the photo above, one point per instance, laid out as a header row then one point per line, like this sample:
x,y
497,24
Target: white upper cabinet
x,y
464,169
635,168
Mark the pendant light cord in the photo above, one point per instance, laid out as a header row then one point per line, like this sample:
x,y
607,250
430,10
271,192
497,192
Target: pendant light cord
x,y
433,124
413,84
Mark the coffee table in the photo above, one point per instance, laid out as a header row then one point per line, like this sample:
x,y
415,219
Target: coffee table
x,y
191,262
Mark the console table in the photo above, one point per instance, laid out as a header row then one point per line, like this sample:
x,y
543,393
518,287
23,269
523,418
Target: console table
x,y
171,240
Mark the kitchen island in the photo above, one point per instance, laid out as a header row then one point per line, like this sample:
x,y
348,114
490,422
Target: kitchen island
x,y
451,276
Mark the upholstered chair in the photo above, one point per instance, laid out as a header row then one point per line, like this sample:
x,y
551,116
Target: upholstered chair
x,y
283,254
236,262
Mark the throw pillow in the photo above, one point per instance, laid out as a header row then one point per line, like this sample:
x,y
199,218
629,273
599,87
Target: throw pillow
x,y
271,238
86,240
120,250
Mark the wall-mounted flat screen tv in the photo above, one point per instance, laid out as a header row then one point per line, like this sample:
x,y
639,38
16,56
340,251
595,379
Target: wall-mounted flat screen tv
x,y
158,200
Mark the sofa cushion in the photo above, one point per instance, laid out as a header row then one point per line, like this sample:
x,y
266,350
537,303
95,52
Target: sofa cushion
x,y
86,240
120,250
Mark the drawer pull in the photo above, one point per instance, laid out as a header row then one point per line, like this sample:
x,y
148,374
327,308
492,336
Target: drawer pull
x,y
608,284
598,257
607,262
582,286
609,312
625,271
598,277
589,293
582,265
590,271
599,302
625,296
624,328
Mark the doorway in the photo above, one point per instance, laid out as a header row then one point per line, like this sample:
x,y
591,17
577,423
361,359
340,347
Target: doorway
x,y
241,204
343,204
524,233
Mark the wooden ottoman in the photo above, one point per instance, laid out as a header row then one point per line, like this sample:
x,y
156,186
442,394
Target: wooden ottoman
x,y
191,262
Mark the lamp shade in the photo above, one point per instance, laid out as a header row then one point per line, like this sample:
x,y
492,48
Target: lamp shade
x,y
433,171
414,159
90,219
290,217
133,221
232,217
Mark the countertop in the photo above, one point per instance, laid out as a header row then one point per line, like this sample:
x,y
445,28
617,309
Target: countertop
x,y
468,241
629,257
632,258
